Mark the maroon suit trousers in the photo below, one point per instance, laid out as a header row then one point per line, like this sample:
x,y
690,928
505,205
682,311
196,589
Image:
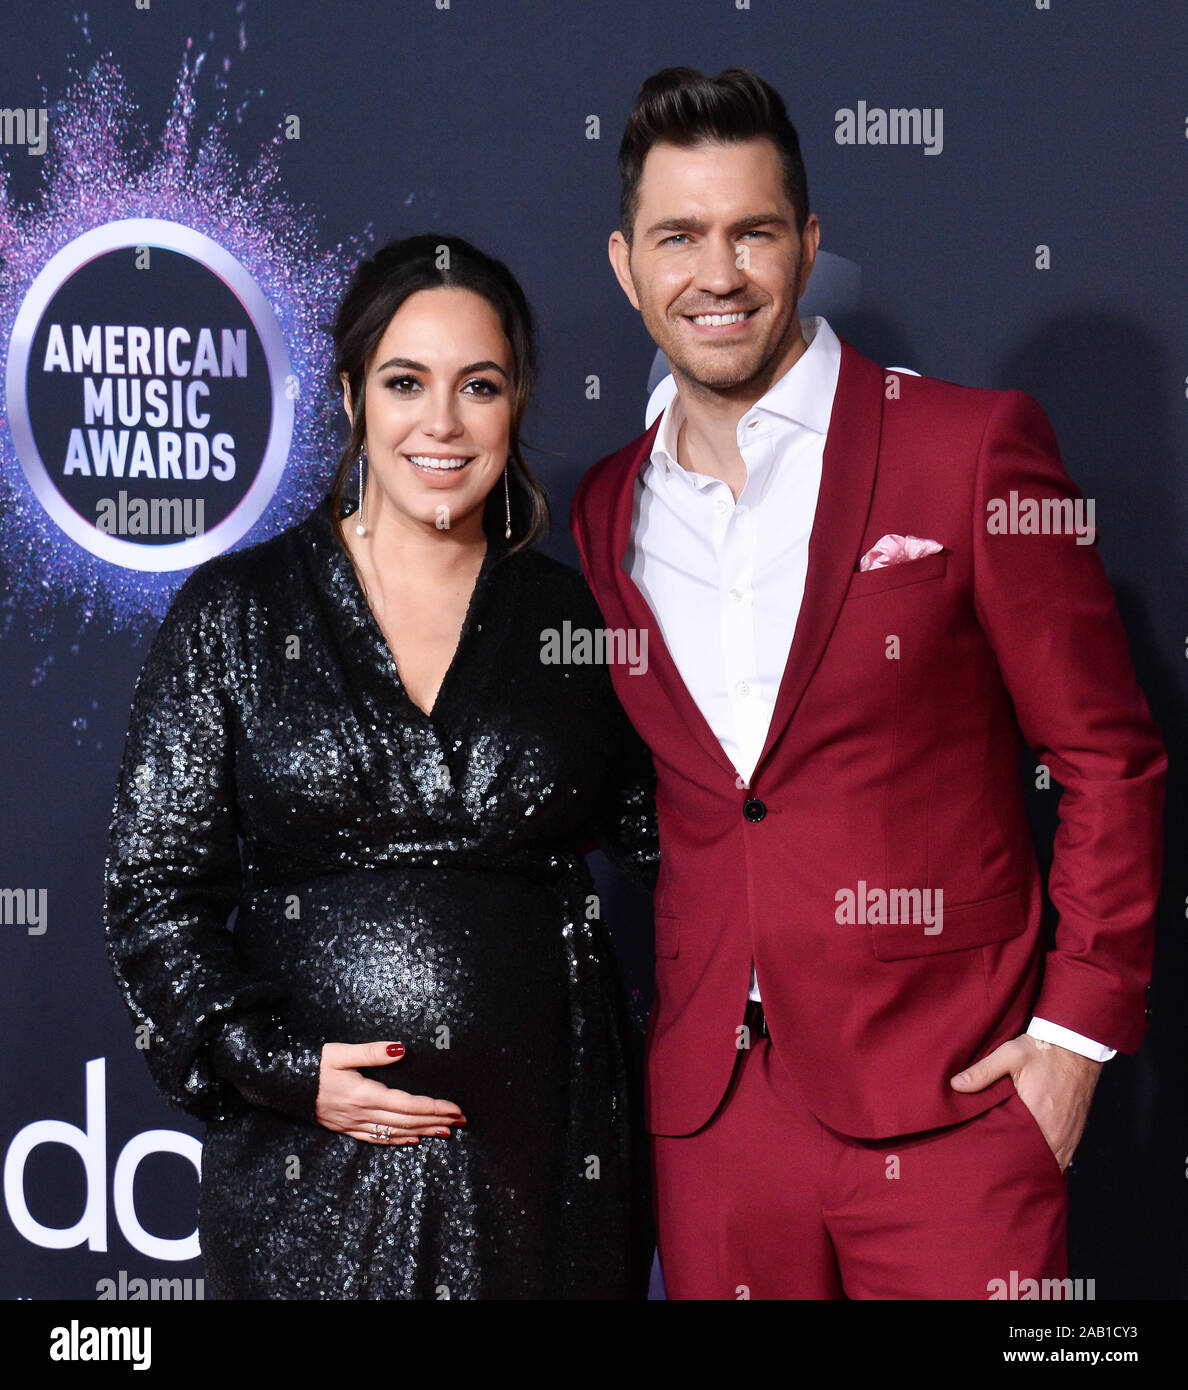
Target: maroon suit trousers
x,y
765,1201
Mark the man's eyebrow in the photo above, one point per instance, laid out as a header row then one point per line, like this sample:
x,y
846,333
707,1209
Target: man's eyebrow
x,y
695,224
760,219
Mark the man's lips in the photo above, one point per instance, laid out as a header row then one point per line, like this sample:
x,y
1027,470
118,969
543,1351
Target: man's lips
x,y
721,324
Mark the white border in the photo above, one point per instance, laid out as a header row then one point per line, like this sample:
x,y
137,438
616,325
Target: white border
x,y
172,236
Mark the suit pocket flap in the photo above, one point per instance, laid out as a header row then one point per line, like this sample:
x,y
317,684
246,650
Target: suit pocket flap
x,y
896,576
954,929
668,930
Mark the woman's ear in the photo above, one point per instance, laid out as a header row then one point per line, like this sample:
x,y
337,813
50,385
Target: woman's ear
x,y
346,396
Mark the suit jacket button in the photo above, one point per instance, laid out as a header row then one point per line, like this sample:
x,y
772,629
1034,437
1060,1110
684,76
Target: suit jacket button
x,y
754,809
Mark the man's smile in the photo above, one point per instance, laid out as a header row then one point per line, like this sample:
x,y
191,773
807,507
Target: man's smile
x,y
721,324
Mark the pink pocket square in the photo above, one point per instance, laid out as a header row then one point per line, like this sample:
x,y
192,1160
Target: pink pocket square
x,y
896,550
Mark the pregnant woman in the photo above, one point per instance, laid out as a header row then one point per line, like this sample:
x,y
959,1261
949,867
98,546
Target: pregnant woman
x,y
409,1045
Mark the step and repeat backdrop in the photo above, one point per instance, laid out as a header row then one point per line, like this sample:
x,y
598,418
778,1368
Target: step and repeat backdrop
x,y
184,190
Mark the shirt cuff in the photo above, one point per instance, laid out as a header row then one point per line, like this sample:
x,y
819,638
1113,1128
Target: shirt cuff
x,y
1074,1042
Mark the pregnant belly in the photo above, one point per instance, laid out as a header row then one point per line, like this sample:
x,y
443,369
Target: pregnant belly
x,y
469,970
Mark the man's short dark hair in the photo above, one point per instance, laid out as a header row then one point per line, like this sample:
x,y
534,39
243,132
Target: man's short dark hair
x,y
684,107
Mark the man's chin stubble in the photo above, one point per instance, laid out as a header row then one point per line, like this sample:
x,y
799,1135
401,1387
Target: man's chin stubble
x,y
721,382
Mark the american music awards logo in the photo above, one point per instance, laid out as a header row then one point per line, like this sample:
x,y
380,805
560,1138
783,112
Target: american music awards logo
x,y
150,396
163,351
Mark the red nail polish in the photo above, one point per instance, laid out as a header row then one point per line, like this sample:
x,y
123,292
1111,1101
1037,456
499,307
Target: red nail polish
x,y
395,1049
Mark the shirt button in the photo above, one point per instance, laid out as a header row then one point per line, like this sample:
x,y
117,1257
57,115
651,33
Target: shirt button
x,y
754,809
742,688
721,506
736,594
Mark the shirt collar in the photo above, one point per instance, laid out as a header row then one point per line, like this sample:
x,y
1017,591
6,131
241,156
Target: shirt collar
x,y
802,396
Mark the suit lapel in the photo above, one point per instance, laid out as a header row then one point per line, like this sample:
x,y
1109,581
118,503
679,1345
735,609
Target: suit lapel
x,y
843,505
661,668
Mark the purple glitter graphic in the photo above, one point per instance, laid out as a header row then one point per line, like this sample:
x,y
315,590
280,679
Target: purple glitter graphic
x,y
100,167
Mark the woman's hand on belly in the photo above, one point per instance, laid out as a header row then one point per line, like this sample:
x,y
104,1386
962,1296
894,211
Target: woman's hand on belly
x,y
370,1111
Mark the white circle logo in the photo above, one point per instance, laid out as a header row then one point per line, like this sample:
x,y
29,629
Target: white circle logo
x,y
147,395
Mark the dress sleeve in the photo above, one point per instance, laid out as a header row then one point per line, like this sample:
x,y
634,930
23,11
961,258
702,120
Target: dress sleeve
x,y
625,826
214,1037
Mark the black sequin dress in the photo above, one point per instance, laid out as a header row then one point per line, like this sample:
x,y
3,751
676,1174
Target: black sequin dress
x,y
386,875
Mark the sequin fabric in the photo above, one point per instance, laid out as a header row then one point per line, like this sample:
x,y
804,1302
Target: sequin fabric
x,y
299,854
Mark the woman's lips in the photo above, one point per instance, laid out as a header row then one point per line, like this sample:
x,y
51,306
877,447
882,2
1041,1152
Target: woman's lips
x,y
439,465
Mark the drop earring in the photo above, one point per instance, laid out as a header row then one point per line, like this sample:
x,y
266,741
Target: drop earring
x,y
506,505
361,527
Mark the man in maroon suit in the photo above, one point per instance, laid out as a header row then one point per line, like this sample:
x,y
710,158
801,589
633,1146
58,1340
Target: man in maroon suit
x,y
860,588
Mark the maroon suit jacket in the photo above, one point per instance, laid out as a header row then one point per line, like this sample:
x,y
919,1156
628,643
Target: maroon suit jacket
x,y
902,773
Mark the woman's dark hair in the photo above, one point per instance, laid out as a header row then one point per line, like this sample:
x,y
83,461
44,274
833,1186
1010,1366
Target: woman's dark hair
x,y
378,288
684,107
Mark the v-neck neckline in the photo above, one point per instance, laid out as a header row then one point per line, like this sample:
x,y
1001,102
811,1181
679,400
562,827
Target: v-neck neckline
x,y
366,624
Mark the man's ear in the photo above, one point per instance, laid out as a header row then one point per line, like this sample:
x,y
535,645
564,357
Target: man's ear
x,y
620,259
346,396
809,242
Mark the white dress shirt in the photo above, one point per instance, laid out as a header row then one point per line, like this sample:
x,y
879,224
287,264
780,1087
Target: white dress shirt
x,y
725,578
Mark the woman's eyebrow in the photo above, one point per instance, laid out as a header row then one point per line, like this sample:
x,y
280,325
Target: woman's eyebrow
x,y
485,366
